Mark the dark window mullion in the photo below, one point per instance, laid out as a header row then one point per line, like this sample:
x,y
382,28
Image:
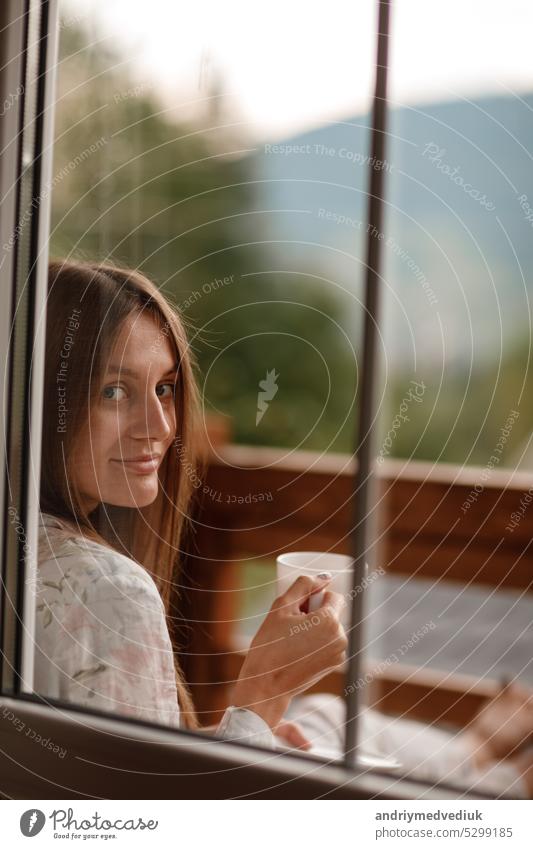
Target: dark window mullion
x,y
362,499
24,243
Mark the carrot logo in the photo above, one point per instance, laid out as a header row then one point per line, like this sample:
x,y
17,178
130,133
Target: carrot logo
x,y
268,388
31,822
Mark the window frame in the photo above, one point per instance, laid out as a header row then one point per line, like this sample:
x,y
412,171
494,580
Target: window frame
x,y
29,43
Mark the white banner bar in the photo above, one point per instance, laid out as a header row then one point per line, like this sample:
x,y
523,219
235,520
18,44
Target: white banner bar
x,y
218,824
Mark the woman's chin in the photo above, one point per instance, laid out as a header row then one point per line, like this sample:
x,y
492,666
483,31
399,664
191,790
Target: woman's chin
x,y
136,496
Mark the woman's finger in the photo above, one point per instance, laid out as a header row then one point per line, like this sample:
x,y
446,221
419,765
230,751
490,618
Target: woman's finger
x,y
301,589
333,602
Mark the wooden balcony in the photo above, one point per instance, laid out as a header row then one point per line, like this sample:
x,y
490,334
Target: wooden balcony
x,y
255,503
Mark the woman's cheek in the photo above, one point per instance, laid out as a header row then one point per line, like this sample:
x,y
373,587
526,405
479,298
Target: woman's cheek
x,y
108,432
113,419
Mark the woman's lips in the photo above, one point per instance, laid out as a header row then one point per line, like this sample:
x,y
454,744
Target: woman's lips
x,y
140,467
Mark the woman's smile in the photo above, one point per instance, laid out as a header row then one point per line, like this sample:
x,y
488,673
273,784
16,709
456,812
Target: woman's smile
x,y
141,467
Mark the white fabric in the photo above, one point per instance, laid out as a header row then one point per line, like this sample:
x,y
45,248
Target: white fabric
x,y
102,641
101,635
426,753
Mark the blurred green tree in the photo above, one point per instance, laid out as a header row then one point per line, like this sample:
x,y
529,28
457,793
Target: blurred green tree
x,y
176,198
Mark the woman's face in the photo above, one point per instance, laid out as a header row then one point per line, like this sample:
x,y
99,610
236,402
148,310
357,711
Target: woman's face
x,y
134,417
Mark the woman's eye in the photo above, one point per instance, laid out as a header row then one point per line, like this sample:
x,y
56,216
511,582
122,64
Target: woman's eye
x,y
112,393
169,386
108,393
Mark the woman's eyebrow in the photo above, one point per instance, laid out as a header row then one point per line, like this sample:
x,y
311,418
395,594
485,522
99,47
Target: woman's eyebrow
x,y
114,369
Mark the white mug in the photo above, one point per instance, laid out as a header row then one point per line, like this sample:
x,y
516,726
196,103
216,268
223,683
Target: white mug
x,y
295,563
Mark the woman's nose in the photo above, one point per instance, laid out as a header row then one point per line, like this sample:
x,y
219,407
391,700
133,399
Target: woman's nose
x,y
152,419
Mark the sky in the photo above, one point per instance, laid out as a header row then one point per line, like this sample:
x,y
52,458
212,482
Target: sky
x,y
290,65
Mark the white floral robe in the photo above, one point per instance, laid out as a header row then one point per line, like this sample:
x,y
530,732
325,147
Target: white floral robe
x,y
102,639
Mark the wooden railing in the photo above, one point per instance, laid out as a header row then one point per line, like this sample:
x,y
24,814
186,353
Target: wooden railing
x,y
258,502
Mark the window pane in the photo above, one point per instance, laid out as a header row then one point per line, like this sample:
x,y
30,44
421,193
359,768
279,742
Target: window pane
x,y
229,166
450,620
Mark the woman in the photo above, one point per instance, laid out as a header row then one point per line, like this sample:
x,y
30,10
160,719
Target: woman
x,y
120,418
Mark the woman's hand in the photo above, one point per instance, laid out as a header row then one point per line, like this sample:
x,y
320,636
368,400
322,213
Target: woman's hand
x,y
503,727
523,763
292,735
291,650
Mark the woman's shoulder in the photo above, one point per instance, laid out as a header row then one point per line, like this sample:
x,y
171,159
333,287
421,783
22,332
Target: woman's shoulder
x,y
71,563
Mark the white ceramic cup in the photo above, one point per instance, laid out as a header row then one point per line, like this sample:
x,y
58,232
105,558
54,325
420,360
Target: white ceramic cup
x,y
295,563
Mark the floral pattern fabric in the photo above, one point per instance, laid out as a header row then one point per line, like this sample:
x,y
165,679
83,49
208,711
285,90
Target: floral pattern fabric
x,y
101,635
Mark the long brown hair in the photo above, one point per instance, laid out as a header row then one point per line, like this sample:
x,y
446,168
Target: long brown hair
x,y
86,307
